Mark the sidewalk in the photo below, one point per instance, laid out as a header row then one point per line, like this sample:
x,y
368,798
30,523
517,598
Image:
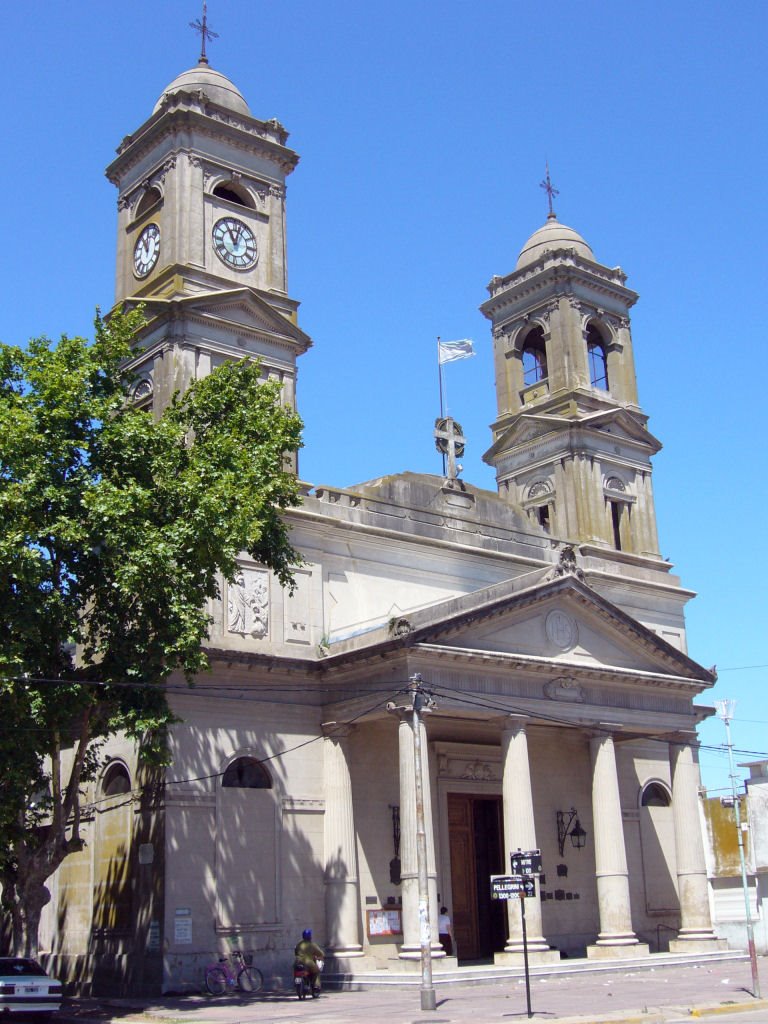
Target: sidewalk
x,y
650,996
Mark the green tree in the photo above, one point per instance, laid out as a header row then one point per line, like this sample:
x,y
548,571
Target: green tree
x,y
116,528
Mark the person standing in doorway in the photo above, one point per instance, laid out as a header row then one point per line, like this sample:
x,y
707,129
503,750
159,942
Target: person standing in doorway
x,y
445,929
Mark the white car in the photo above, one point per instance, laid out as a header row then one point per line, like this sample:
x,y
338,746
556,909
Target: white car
x,y
26,988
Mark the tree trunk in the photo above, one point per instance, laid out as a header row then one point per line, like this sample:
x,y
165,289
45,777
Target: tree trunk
x,y
25,898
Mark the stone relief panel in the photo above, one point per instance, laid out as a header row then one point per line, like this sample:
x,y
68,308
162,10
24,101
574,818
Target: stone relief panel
x,y
564,689
248,604
297,605
474,763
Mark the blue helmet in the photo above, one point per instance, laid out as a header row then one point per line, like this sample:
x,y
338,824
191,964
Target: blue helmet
x,y
307,934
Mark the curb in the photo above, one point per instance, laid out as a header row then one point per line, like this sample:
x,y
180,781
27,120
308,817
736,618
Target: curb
x,y
711,1011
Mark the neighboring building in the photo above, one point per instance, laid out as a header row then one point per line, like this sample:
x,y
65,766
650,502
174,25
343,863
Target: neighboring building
x,y
542,617
728,899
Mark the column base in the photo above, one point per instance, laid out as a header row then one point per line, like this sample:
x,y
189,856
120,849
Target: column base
x,y
696,944
414,952
345,952
535,956
619,951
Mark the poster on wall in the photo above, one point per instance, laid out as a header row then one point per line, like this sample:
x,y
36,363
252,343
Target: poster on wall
x,y
382,923
182,927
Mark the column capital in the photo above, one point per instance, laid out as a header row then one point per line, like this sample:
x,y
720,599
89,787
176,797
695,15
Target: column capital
x,y
683,739
337,730
514,721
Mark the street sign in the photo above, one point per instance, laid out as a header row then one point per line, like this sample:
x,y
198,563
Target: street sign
x,y
512,887
526,862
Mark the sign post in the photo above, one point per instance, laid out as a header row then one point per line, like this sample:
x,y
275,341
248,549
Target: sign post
x,y
520,885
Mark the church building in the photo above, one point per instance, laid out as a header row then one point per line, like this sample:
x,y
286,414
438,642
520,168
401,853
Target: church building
x,y
541,628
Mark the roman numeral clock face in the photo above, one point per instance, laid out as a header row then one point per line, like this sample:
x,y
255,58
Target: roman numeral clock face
x,y
234,243
146,250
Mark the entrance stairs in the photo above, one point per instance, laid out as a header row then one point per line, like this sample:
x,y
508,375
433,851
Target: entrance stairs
x,y
407,973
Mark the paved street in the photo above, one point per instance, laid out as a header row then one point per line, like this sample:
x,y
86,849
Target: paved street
x,y
718,992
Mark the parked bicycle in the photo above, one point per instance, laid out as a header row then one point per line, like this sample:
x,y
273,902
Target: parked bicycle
x,y
222,975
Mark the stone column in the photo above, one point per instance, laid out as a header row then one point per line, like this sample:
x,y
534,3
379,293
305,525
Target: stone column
x,y
411,948
696,933
520,833
616,936
342,892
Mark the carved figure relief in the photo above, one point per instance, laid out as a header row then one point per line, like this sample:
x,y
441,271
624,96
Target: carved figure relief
x,y
248,604
478,771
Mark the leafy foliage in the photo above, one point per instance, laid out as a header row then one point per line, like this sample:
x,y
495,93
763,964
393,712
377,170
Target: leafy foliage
x,y
117,525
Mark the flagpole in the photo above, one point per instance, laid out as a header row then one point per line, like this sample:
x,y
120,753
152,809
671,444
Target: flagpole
x,y
440,380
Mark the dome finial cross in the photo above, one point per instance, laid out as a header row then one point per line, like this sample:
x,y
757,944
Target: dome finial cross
x,y
551,191
205,32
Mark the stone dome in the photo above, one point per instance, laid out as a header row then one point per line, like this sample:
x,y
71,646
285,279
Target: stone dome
x,y
553,235
217,87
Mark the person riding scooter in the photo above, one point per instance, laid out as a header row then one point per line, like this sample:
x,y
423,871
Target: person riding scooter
x,y
307,953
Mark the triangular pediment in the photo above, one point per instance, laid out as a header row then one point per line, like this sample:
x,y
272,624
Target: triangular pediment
x,y
560,622
530,427
242,309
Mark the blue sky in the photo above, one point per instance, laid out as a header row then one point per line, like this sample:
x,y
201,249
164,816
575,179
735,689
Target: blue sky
x,y
423,130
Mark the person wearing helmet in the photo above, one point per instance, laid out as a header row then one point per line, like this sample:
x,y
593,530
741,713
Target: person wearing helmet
x,y
308,953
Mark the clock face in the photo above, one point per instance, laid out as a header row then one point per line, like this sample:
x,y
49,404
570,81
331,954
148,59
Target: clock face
x,y
146,250
234,243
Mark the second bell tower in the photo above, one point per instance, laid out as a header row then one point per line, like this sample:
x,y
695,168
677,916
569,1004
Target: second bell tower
x,y
570,442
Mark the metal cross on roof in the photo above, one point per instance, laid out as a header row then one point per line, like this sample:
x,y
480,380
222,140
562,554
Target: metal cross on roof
x,y
450,441
205,32
550,189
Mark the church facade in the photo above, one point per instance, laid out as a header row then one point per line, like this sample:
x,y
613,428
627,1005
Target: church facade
x,y
541,619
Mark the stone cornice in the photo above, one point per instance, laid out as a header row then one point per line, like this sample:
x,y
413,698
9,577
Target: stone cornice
x,y
556,271
545,666
210,121
372,529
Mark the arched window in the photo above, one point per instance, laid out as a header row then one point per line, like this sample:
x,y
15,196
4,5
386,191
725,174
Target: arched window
x,y
150,198
246,773
654,795
233,194
598,361
534,357
116,780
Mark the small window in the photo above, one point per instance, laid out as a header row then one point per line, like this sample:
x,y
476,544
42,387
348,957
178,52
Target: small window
x,y
542,514
534,357
246,773
616,512
116,780
654,795
598,361
150,198
233,194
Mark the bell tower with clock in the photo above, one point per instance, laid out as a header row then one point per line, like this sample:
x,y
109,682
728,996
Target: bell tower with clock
x,y
201,237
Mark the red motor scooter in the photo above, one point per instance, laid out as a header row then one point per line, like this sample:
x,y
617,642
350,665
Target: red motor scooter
x,y
302,980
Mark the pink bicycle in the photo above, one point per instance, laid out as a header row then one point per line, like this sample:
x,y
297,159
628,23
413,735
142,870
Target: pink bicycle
x,y
222,976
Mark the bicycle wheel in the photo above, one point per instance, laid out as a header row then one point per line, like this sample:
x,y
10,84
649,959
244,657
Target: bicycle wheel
x,y
250,979
216,981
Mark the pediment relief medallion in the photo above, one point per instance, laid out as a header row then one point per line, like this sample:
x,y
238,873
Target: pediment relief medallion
x,y
562,630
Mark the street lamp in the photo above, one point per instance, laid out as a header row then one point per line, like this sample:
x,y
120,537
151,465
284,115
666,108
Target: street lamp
x,y
725,709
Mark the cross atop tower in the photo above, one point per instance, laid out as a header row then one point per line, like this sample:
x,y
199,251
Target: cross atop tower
x,y
205,32
551,191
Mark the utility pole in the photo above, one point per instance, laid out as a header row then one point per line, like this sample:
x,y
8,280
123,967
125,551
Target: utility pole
x,y
420,701
725,709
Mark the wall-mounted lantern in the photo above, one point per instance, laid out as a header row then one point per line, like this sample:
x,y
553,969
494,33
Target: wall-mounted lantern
x,y
569,825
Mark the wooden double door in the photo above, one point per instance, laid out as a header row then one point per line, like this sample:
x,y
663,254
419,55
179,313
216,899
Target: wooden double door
x,y
477,852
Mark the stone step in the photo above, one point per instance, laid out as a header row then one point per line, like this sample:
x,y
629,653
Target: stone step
x,y
408,973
